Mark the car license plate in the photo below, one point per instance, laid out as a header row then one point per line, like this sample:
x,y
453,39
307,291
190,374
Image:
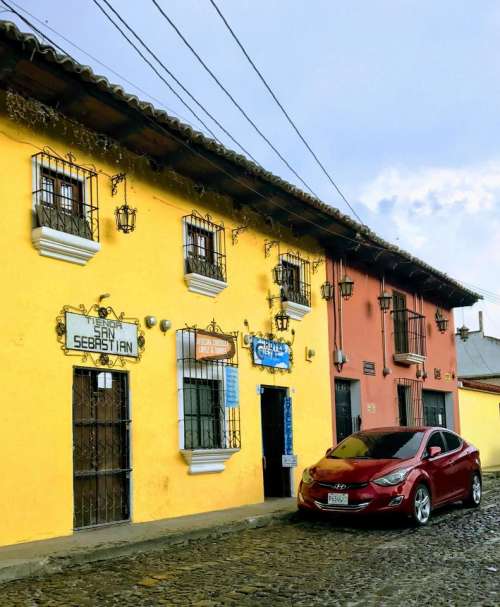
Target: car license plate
x,y
340,499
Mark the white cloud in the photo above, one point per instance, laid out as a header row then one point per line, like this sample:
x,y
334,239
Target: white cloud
x,y
448,216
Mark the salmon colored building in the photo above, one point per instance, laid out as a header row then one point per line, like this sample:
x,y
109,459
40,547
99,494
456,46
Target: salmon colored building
x,y
391,330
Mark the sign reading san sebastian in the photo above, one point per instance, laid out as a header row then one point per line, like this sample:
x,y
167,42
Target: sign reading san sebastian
x,y
98,330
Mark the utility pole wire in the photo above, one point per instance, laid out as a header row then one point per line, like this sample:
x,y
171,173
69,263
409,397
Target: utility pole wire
x,y
169,73
230,96
280,105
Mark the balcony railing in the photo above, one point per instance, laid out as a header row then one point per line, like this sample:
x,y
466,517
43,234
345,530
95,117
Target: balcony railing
x,y
409,336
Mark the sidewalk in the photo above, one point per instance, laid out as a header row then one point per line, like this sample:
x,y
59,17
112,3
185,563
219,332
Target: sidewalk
x,y
52,556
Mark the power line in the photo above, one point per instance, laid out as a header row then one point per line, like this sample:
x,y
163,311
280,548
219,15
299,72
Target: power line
x,y
169,72
107,67
280,105
208,159
230,96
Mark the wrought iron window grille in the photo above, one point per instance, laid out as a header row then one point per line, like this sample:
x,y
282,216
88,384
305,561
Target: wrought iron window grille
x,y
409,402
204,246
65,196
296,279
409,332
208,421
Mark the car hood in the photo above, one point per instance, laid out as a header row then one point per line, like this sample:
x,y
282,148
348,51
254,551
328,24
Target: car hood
x,y
355,470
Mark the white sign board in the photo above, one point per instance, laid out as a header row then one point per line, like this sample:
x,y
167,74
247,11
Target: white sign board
x,y
289,461
101,335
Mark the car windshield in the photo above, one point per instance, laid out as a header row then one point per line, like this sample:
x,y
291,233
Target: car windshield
x,y
379,445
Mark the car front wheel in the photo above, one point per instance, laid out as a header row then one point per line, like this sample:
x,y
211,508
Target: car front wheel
x,y
473,500
421,506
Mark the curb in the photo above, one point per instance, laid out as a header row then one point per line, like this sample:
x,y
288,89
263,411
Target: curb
x,y
48,565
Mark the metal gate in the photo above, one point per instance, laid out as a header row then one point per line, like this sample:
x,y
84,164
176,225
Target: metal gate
x,y
101,460
434,408
343,410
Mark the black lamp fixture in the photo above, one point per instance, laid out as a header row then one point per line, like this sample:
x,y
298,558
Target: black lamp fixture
x,y
327,290
442,322
282,320
384,300
346,286
280,274
463,331
125,216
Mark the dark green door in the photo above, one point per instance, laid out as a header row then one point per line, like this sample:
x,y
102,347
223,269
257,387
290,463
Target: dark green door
x,y
343,409
434,408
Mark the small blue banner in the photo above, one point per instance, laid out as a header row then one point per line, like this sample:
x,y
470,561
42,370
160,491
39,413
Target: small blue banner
x,y
287,413
269,353
232,388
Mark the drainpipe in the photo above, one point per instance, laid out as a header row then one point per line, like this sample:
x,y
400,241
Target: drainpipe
x,y
341,332
385,370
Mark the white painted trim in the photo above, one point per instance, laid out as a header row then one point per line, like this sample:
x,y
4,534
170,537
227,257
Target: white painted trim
x,y
204,285
202,461
409,358
63,246
295,311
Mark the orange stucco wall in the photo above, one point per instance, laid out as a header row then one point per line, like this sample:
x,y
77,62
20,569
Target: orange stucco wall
x,y
362,341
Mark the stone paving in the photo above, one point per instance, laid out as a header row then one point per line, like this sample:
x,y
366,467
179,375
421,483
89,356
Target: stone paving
x,y
455,561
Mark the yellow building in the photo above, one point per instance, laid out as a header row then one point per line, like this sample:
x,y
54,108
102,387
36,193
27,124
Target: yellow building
x,y
145,369
479,405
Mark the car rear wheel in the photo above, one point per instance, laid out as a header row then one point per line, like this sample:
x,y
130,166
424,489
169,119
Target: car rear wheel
x,y
421,506
475,493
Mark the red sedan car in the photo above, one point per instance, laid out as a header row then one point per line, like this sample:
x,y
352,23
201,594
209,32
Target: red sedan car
x,y
406,470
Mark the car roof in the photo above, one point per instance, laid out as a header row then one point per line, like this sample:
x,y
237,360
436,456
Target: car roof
x,y
403,429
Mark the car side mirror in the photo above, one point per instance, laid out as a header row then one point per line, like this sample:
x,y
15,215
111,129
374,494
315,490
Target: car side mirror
x,y
434,451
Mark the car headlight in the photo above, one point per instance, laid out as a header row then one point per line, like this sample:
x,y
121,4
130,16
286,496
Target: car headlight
x,y
307,477
393,478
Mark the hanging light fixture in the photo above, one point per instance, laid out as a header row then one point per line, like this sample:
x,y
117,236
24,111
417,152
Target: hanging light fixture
x,y
346,286
384,300
282,320
463,331
279,274
125,216
327,290
441,321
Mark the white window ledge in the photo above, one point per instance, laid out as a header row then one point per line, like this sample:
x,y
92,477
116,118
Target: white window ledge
x,y
204,285
294,310
60,245
202,461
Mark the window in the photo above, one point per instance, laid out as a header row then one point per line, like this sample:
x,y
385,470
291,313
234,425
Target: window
x,y
436,440
65,197
409,331
379,445
204,247
296,286
207,366
452,441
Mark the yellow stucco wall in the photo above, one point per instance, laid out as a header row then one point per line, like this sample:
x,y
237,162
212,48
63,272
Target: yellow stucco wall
x,y
480,424
143,271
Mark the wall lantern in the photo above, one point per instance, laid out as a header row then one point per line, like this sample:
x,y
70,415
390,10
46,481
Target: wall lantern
x,y
125,216
384,300
442,322
282,320
346,286
327,290
464,333
280,274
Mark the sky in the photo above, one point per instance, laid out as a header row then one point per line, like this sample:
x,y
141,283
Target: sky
x,y
398,98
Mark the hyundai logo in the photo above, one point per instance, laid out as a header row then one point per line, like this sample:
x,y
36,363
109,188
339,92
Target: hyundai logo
x,y
340,486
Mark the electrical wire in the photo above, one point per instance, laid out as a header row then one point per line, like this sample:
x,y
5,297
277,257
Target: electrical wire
x,y
230,96
196,152
282,108
169,72
107,67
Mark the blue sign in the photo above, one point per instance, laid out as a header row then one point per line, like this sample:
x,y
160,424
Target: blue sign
x,y
232,388
269,353
287,413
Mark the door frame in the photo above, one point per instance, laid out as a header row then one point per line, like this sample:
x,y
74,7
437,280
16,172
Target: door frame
x,y
130,449
287,392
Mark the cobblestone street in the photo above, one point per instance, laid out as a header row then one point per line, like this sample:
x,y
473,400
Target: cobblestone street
x,y
454,561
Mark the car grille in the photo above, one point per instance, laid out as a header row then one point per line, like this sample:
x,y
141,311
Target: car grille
x,y
339,486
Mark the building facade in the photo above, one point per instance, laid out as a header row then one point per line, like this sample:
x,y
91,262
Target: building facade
x,y
169,333
478,356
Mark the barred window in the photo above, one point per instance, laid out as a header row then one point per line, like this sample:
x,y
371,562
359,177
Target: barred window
x,y
208,363
296,279
65,196
204,247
